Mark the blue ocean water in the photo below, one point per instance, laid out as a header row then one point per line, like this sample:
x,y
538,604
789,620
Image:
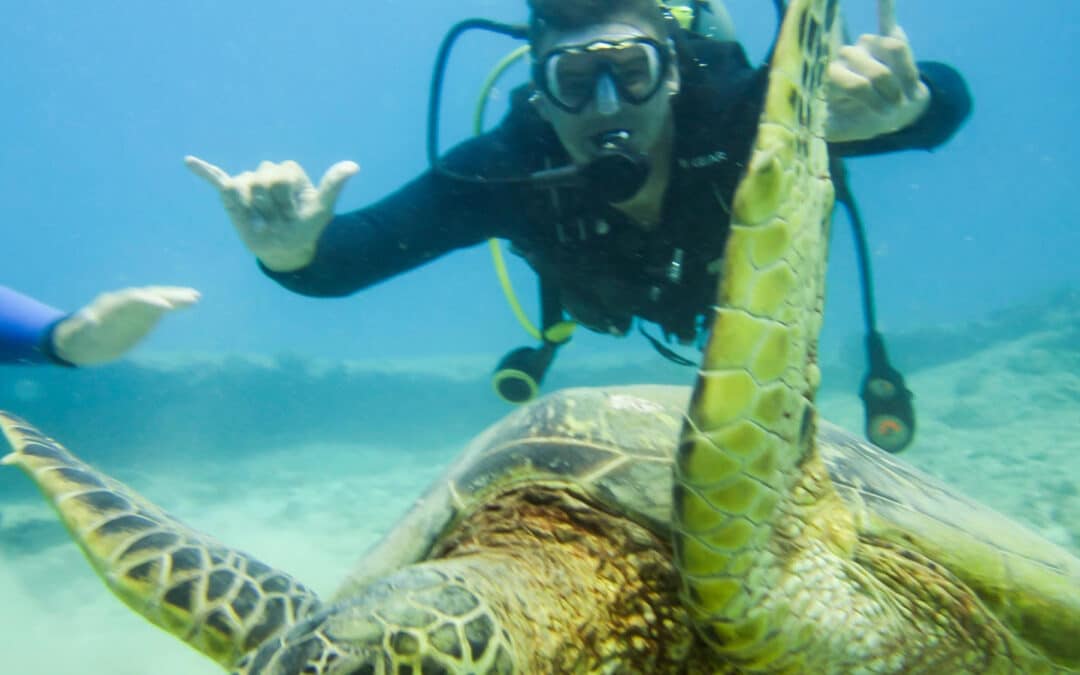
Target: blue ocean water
x,y
102,101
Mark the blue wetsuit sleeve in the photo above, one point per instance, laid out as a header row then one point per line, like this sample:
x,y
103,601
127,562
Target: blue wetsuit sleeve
x,y
26,329
950,106
427,218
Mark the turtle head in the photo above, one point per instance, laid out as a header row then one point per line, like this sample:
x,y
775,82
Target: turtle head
x,y
419,617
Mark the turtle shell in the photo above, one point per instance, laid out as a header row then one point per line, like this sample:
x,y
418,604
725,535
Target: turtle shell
x,y
615,446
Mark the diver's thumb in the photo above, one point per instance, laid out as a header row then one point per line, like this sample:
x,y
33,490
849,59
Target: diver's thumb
x,y
333,182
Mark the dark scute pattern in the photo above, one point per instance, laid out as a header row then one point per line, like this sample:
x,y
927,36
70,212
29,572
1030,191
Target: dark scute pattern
x,y
42,450
830,13
246,600
479,632
458,601
296,604
430,666
273,618
186,559
276,584
262,658
82,477
404,643
143,571
103,501
125,525
813,29
219,621
181,595
22,426
219,583
802,108
157,542
806,425
445,639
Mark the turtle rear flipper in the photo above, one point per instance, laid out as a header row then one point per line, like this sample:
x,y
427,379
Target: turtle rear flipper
x,y
221,601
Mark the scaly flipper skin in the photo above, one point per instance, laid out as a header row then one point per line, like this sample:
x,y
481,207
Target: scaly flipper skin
x,y
423,618
776,572
539,582
751,419
220,601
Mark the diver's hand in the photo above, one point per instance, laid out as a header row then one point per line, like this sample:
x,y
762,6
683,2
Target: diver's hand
x,y
873,86
114,322
277,211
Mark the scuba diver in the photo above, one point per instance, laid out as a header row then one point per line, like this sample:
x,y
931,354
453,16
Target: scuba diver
x,y
605,175
32,332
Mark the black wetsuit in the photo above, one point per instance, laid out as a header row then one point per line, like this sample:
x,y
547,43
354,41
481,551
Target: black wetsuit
x,y
594,263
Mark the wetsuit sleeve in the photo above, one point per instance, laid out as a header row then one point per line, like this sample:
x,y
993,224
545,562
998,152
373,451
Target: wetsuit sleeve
x,y
427,218
950,105
26,329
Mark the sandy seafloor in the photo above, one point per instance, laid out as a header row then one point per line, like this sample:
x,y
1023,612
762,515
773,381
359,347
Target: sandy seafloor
x,y
1000,422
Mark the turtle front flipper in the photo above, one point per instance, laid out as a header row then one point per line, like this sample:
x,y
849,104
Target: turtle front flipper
x,y
780,573
749,486
222,602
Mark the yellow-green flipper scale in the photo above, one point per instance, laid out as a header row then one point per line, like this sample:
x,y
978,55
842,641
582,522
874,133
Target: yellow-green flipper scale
x,y
220,601
778,572
750,421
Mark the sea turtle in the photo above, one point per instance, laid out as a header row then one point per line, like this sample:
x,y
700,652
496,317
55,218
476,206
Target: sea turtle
x,y
642,529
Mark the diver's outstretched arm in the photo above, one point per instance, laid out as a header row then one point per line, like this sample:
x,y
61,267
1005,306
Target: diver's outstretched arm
x,y
115,322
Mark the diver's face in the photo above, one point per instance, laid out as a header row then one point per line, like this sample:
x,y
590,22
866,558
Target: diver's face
x,y
608,78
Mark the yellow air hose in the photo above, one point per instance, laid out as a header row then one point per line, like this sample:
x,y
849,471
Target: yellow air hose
x,y
561,331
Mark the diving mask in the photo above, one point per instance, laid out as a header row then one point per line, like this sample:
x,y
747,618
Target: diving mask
x,y
569,76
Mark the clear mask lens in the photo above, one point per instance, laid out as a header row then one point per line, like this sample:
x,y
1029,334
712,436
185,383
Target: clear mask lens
x,y
636,67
